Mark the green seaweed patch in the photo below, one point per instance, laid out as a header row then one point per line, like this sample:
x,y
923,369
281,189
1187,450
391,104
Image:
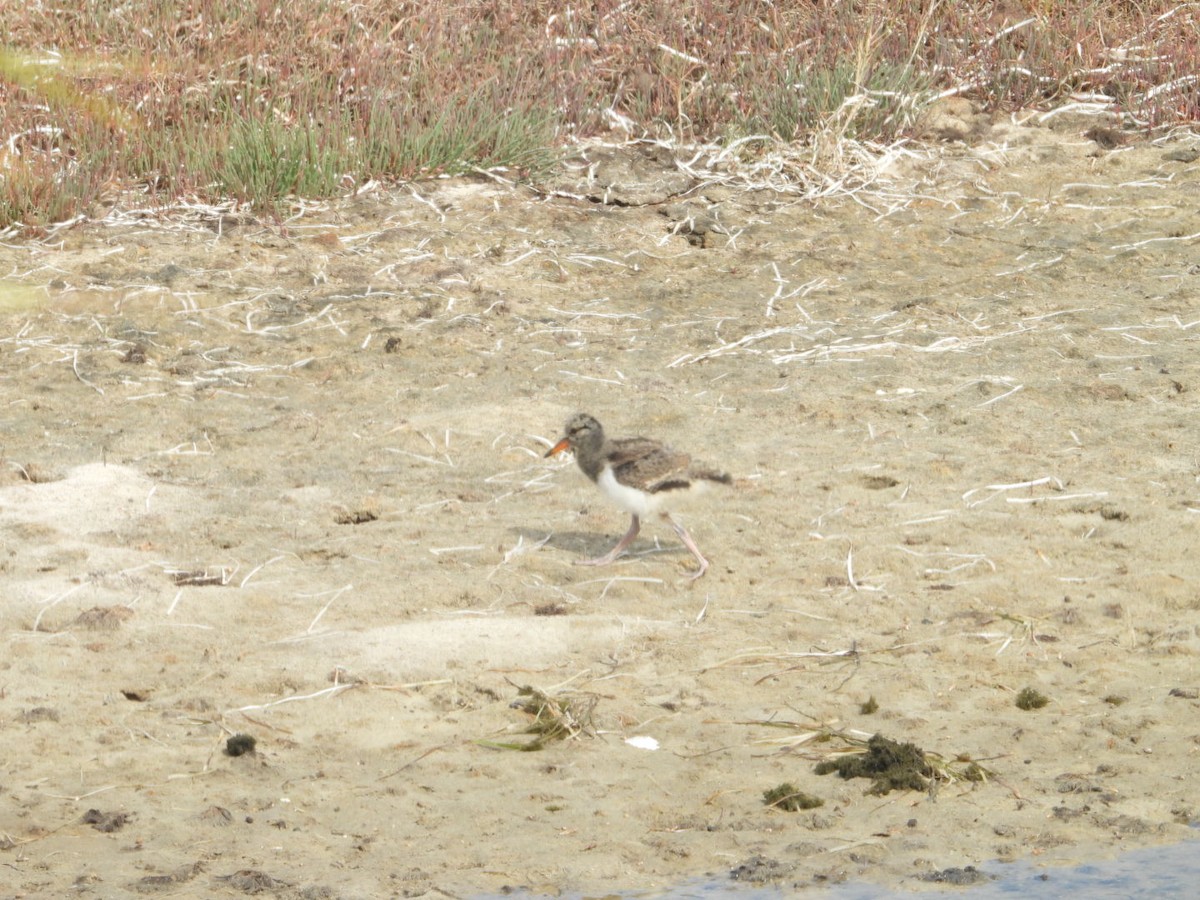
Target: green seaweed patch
x,y
790,798
555,718
1028,698
889,764
972,771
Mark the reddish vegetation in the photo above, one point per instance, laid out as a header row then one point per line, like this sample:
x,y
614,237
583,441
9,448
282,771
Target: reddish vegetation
x,y
143,94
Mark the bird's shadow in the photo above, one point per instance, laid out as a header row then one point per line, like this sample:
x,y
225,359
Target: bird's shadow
x,y
593,544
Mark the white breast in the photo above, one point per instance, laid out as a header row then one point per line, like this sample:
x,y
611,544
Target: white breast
x,y
633,501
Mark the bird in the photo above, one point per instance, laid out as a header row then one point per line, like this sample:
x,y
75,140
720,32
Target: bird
x,y
640,475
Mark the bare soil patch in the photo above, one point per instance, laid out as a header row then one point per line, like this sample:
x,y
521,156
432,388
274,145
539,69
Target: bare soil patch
x,y
289,485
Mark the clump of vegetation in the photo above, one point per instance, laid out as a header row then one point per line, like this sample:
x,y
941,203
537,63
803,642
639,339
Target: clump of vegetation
x,y
788,797
231,103
970,770
889,764
1185,815
956,876
1030,698
554,718
869,706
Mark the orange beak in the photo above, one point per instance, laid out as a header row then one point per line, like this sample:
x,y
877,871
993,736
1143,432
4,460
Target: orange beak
x,y
558,448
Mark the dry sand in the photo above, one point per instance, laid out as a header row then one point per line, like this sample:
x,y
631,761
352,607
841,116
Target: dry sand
x,y
289,483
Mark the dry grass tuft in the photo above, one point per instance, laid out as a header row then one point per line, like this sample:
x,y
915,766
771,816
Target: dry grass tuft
x,y
556,717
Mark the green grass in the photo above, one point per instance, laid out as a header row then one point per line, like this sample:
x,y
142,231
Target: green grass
x,y
267,160
881,104
470,130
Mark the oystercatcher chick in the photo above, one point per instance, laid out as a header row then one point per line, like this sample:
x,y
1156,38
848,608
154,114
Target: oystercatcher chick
x,y
641,475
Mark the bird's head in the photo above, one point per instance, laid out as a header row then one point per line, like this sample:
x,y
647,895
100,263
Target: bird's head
x,y
580,428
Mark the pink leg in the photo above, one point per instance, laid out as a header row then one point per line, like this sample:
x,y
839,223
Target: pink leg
x,y
690,544
616,551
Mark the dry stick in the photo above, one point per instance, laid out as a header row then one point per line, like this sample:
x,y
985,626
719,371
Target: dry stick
x,y
413,762
998,489
518,549
259,567
579,314
1000,397
609,582
584,259
325,608
850,575
591,378
63,596
755,657
175,602
7,841
418,456
852,654
195,451
76,799
1188,237
261,724
75,369
730,347
441,215
973,560
1084,495
330,691
780,281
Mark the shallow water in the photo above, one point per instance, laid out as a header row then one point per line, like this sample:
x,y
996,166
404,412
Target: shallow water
x,y
1161,872
1170,871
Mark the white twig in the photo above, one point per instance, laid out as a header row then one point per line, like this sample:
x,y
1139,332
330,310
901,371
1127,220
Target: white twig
x,y
61,597
1088,495
681,55
255,570
329,691
998,489
519,548
428,459
1134,246
175,602
999,397
75,369
325,608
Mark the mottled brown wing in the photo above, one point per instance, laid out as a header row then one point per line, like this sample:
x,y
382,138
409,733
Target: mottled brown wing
x,y
700,470
647,464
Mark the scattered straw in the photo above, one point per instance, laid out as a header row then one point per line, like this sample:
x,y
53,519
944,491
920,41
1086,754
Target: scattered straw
x,y
519,549
316,695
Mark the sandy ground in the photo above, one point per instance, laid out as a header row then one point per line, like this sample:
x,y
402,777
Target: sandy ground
x,y
289,484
